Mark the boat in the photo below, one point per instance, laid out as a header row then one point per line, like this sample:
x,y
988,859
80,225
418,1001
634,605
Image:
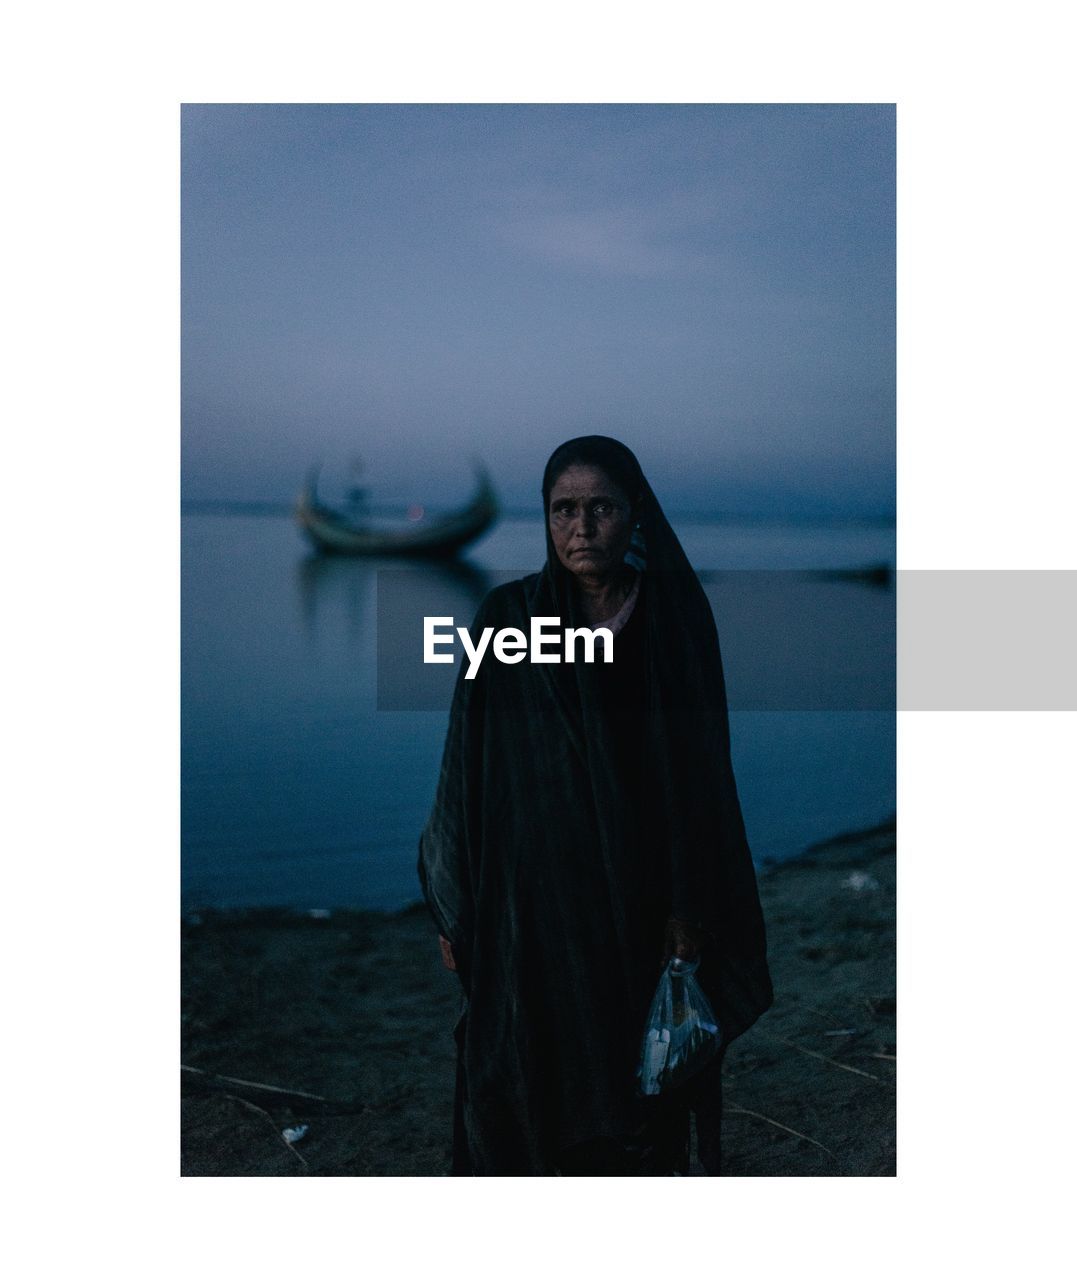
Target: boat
x,y
335,533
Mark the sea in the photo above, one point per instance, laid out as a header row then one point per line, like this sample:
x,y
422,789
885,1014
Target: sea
x,y
310,757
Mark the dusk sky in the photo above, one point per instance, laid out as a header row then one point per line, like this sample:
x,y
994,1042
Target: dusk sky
x,y
418,285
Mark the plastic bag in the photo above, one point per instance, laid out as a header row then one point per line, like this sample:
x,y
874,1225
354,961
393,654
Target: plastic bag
x,y
681,1034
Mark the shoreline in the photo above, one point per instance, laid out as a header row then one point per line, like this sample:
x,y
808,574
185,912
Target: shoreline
x,y
341,1021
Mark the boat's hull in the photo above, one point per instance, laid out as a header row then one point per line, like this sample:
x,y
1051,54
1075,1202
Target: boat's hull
x,y
331,534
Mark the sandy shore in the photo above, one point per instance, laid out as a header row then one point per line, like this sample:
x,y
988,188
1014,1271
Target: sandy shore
x,y
342,1025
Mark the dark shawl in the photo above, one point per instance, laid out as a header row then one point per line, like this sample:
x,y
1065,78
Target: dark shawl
x,y
578,807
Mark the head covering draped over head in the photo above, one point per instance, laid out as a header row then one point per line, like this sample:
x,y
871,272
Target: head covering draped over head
x,y
578,807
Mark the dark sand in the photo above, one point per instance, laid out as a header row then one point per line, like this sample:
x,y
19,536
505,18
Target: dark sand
x,y
357,1010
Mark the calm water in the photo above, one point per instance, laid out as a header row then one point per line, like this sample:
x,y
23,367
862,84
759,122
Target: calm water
x,y
298,791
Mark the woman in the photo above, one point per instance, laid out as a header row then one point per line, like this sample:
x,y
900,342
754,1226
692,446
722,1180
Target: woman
x,y
587,826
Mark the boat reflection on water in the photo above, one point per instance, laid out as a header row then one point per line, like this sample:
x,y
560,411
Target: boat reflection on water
x,y
343,590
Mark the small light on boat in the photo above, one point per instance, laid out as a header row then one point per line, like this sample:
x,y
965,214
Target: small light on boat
x,y
415,512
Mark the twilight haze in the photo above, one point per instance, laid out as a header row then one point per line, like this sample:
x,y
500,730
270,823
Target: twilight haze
x,y
418,285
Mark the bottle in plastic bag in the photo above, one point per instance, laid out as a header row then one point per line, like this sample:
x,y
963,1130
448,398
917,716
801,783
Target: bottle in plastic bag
x,y
681,1034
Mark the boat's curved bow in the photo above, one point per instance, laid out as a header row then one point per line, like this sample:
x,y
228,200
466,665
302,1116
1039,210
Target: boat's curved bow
x,y
331,532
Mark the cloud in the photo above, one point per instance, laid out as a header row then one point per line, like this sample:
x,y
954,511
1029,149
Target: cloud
x,y
648,241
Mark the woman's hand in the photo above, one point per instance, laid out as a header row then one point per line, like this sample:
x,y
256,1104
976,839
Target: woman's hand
x,y
683,939
447,957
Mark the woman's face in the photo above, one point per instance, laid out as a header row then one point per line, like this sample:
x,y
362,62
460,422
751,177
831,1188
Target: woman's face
x,y
590,519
